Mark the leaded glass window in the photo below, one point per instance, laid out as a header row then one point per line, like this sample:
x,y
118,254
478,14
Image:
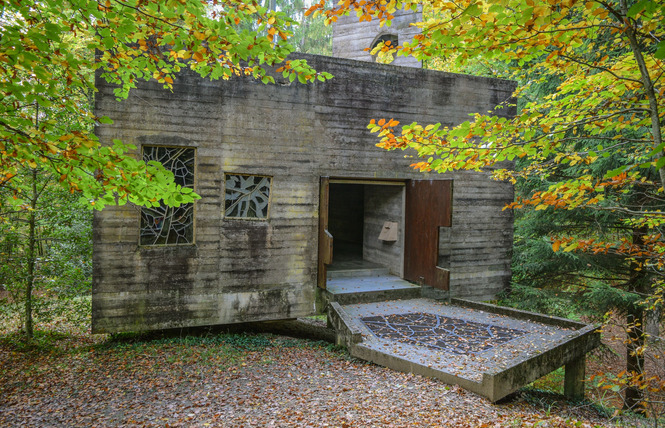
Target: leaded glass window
x,y
164,225
247,196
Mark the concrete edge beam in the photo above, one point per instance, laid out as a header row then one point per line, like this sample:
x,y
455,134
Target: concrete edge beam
x,y
519,314
502,383
406,366
347,334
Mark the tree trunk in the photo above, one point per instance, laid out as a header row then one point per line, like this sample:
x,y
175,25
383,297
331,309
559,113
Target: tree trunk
x,y
634,396
638,283
32,241
647,84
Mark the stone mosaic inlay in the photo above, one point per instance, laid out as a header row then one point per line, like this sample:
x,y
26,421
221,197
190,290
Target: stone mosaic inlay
x,y
440,333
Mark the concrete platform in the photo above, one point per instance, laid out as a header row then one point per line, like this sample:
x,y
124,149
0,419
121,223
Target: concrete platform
x,y
490,350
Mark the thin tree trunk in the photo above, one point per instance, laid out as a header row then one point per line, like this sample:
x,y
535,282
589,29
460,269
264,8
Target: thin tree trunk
x,y
647,84
634,396
32,241
32,224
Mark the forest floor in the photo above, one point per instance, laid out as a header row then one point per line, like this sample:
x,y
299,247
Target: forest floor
x,y
67,377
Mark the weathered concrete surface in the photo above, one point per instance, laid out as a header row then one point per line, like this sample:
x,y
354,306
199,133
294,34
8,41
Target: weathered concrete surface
x,y
241,271
548,344
573,386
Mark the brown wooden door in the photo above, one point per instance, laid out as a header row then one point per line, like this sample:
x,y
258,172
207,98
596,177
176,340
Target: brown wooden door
x,y
428,207
325,238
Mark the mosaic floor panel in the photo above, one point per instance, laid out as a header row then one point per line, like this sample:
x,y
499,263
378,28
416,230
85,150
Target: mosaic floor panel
x,y
439,332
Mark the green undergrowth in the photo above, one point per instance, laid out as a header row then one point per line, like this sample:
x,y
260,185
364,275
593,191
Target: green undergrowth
x,y
248,342
155,352
552,382
244,342
550,400
206,346
227,351
43,341
321,317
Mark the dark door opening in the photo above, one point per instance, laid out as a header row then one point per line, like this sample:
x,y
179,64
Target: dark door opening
x,y
346,216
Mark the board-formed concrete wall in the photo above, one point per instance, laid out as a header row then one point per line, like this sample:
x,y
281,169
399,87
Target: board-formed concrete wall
x,y
241,270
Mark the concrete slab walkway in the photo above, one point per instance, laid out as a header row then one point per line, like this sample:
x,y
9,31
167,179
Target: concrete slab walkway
x,y
487,349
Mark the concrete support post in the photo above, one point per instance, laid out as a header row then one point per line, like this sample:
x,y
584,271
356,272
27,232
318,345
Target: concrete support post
x,y
573,384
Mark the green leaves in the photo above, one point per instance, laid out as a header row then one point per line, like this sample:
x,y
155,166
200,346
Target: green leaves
x,y
645,8
48,57
601,95
587,143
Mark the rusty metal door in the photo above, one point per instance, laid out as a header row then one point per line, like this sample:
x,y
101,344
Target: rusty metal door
x,y
428,207
325,238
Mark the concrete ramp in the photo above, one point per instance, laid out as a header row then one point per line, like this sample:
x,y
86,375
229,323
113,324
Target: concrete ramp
x,y
490,350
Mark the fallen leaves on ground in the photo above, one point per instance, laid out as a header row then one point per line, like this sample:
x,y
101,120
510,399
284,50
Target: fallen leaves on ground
x,y
241,381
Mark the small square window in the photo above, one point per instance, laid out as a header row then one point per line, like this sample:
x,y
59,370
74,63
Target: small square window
x,y
164,225
247,196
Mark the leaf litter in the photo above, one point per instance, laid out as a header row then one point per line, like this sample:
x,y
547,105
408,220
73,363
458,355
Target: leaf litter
x,y
240,380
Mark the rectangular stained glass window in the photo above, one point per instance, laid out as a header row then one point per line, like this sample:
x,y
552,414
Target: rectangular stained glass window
x,y
164,225
247,196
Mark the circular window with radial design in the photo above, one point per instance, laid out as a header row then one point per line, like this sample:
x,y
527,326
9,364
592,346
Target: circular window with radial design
x,y
387,39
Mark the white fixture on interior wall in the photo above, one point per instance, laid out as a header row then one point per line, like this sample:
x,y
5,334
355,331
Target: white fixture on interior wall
x,y
388,232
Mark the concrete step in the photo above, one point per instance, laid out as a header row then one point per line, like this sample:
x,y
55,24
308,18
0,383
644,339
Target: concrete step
x,y
365,289
358,273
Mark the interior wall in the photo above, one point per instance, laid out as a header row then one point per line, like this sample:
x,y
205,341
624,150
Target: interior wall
x,y
345,216
382,204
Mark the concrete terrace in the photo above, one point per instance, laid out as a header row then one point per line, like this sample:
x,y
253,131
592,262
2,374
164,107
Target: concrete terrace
x,y
490,350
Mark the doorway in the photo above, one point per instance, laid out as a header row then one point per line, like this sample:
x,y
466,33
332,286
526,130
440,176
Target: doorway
x,y
355,214
353,217
346,221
